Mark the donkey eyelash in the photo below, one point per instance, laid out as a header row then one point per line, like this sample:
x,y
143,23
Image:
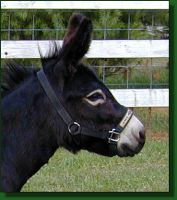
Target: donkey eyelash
x,y
95,97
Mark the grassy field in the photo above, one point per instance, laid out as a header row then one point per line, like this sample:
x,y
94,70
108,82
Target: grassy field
x,y
87,172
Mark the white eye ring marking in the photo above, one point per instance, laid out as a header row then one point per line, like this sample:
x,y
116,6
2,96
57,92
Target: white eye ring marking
x,y
98,101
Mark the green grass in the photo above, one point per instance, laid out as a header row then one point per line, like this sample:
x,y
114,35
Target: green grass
x,y
87,172
155,120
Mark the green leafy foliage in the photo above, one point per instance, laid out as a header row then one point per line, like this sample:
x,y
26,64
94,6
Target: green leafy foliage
x,y
108,24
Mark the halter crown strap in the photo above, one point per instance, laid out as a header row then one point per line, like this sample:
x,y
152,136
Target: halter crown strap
x,y
53,98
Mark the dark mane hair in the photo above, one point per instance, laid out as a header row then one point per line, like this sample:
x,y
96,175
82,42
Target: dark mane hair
x,y
15,73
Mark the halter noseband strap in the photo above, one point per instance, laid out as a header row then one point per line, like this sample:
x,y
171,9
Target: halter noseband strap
x,y
74,128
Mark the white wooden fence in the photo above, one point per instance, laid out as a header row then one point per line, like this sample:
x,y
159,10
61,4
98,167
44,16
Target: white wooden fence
x,y
112,48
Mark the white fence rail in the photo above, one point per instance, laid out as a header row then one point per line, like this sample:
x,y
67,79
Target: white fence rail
x,y
142,97
112,48
98,49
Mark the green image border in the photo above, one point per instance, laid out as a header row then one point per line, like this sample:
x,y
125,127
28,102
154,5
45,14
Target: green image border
x,y
172,194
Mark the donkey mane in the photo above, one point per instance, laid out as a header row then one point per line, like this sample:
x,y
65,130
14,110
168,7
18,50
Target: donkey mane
x,y
14,73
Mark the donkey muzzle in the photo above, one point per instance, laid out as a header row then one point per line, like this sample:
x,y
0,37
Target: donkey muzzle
x,y
132,138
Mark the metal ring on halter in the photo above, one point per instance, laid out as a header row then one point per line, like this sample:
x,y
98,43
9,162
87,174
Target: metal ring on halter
x,y
74,128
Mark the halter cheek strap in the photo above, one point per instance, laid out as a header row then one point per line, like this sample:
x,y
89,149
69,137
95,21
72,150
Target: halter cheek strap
x,y
75,128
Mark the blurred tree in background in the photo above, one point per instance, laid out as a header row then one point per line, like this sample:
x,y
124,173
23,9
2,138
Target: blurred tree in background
x,y
108,24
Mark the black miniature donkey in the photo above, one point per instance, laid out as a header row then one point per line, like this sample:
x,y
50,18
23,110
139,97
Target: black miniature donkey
x,y
62,105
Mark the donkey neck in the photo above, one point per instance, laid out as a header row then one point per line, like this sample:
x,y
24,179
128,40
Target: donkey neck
x,y
30,131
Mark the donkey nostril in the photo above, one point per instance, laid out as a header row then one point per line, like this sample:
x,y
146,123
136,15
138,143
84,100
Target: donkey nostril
x,y
142,134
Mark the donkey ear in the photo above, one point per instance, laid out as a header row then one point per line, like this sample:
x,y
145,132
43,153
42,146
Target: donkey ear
x,y
77,39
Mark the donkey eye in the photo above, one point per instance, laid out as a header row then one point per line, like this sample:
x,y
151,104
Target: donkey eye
x,y
95,97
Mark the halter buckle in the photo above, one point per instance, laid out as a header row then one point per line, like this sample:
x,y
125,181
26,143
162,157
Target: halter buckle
x,y
74,128
114,136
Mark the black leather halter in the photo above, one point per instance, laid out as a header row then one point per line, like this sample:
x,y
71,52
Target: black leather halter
x,y
74,127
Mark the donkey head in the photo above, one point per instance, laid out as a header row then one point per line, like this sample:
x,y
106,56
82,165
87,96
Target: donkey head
x,y
88,101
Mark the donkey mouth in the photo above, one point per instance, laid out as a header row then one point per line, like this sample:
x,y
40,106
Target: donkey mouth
x,y
132,138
